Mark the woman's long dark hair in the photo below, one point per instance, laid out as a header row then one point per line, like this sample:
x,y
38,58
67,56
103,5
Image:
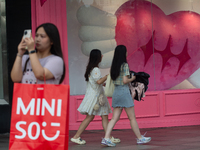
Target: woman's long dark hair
x,y
118,59
53,33
94,60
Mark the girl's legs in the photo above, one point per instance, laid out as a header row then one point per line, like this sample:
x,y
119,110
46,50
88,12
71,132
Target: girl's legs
x,y
83,126
134,125
116,115
104,122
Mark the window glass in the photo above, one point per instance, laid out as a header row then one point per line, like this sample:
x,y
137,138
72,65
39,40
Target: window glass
x,y
162,39
3,56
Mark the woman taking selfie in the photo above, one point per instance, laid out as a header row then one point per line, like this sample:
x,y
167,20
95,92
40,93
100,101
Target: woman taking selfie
x,y
44,60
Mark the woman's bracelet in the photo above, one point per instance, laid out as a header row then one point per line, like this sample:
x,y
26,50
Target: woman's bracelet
x,y
19,55
32,51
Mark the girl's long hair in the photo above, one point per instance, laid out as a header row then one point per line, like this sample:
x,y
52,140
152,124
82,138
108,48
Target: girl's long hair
x,y
53,33
94,60
118,59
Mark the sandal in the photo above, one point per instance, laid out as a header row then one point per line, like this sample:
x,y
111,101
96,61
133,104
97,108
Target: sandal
x,y
115,140
78,141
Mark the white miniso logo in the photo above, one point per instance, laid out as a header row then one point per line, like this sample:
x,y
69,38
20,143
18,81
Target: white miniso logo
x,y
31,107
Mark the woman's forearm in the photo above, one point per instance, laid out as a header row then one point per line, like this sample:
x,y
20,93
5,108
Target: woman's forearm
x,y
102,80
39,71
16,72
127,80
37,68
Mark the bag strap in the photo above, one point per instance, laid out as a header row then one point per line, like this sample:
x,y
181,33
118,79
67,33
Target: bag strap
x,y
26,64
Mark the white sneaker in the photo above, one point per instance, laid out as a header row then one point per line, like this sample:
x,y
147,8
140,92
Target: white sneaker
x,y
107,142
78,141
143,139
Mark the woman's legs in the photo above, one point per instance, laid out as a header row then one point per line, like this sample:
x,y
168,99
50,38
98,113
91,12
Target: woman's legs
x,y
116,115
104,122
134,125
83,125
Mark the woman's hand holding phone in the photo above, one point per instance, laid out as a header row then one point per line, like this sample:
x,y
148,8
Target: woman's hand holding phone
x,y
22,47
28,39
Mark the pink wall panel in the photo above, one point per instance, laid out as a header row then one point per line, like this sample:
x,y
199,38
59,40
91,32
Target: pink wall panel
x,y
181,103
159,109
150,106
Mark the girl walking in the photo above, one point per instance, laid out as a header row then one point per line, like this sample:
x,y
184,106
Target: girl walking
x,y
121,98
91,105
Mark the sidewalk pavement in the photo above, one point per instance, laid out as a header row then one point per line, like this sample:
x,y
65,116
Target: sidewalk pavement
x,y
174,138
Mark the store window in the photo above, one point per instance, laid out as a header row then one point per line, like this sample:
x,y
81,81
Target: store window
x,y
162,39
3,56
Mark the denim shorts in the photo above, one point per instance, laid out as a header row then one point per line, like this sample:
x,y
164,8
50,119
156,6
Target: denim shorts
x,y
122,97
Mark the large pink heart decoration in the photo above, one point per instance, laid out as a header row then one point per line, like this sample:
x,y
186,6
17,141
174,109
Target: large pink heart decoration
x,y
175,54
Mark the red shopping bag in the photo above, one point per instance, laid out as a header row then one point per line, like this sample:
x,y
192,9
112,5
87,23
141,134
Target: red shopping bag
x,y
40,117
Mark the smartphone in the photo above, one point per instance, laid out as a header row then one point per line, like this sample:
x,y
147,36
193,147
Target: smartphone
x,y
27,33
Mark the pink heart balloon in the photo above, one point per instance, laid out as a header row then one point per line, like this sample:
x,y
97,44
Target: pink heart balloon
x,y
175,54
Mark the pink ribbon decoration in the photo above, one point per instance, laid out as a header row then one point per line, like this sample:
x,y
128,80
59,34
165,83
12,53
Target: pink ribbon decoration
x,y
42,2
